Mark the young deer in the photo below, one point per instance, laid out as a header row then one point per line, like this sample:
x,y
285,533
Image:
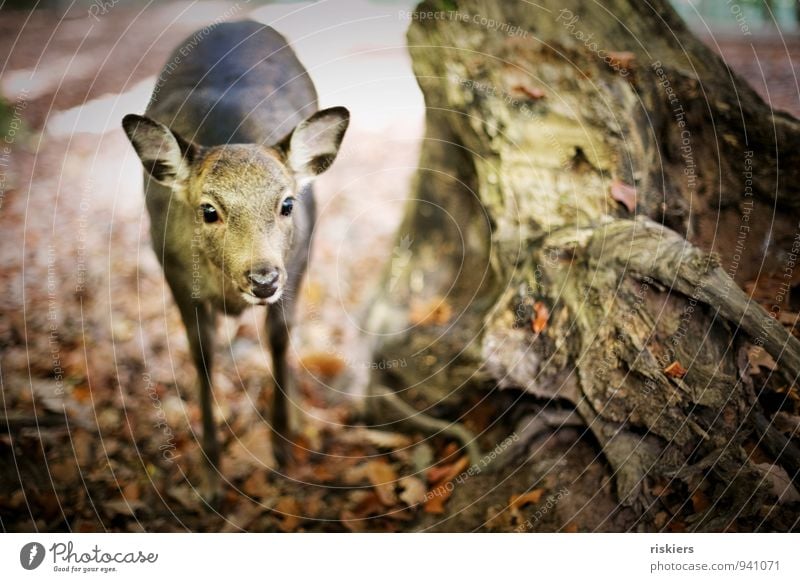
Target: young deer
x,y
230,143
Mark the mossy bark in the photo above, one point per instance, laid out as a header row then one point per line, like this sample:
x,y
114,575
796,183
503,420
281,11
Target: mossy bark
x,y
598,185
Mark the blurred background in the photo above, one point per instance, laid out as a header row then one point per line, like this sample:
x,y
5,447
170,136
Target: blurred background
x,y
97,386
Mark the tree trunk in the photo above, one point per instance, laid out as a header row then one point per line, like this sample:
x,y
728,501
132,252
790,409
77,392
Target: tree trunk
x,y
593,184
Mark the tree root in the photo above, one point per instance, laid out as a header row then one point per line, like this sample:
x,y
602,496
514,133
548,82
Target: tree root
x,y
386,407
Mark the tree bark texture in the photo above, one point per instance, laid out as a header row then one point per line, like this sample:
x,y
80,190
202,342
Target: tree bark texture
x,y
594,189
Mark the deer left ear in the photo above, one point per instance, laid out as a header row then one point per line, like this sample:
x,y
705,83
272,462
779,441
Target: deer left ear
x,y
312,146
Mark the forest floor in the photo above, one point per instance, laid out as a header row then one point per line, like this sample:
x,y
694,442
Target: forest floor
x,y
97,386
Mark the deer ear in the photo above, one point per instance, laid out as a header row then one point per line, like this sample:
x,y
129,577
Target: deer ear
x,y
311,148
165,155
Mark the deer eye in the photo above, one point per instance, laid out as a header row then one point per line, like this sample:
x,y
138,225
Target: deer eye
x,y
209,213
287,206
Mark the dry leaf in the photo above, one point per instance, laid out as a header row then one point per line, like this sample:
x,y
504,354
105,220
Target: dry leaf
x,y
354,474
189,498
676,526
520,501
438,474
780,483
438,497
132,492
621,59
534,93
541,317
323,364
289,512
65,472
787,423
700,501
256,485
83,444
444,473
314,504
122,507
352,522
435,311
660,519
384,479
675,370
413,491
378,438
759,358
624,194
244,515
82,393
251,452
368,506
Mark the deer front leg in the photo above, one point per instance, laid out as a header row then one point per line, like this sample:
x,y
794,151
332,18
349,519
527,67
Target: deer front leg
x,y
279,325
200,323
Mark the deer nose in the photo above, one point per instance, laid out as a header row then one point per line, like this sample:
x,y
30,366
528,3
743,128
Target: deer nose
x,y
264,282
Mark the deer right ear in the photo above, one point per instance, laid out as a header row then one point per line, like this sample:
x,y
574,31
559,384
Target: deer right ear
x,y
165,155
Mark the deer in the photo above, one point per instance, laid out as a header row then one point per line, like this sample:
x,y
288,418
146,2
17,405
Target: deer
x,y
231,143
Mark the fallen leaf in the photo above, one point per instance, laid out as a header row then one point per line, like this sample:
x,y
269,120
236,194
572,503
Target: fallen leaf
x,y
444,473
83,444
256,485
314,504
323,473
132,492
436,500
787,423
384,479
534,93
323,364
675,370
122,507
660,519
367,505
700,501
520,501
624,193
352,522
541,316
252,451
438,474
289,512
401,515
676,526
413,491
189,498
81,393
240,519
378,438
435,311
64,472
790,391
354,474
780,483
759,358
621,59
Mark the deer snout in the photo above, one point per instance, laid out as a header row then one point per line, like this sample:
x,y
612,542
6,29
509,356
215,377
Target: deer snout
x,y
264,281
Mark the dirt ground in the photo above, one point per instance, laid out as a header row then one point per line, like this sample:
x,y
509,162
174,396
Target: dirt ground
x,y
97,387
